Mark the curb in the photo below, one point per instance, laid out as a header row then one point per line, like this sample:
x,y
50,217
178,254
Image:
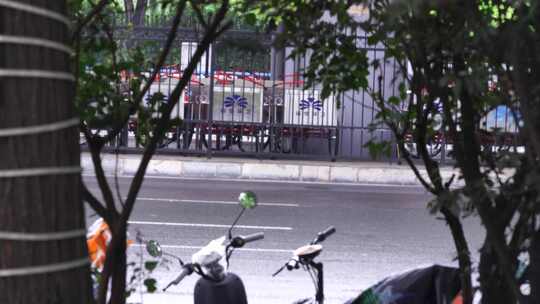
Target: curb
x,y
353,173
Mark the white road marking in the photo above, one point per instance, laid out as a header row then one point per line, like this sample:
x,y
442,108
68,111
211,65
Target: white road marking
x,y
199,247
209,225
211,202
396,185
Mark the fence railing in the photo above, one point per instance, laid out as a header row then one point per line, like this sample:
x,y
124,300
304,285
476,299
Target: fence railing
x,y
253,103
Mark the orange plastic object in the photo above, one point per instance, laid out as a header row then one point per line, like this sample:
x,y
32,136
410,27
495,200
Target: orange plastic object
x,y
97,240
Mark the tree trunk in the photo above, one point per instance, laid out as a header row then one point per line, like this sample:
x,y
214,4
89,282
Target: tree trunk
x,y
493,285
44,203
114,270
118,286
534,268
128,5
140,11
135,14
464,256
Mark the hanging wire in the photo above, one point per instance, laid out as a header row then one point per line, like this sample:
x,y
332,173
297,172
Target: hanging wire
x,y
313,277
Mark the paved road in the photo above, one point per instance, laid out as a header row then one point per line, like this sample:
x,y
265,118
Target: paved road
x,y
380,230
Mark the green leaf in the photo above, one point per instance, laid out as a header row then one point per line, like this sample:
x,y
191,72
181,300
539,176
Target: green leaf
x,y
378,149
402,91
251,19
373,39
150,265
150,285
394,100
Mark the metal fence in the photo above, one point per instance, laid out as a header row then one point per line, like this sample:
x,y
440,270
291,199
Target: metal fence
x,y
248,99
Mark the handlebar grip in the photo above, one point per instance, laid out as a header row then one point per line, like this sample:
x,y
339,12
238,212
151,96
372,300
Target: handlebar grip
x,y
253,237
321,236
186,270
328,232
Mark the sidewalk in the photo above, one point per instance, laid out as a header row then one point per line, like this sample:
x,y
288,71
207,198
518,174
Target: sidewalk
x,y
268,170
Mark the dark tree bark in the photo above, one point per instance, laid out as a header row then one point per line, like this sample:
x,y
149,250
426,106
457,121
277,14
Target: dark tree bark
x,y
135,13
525,58
493,285
140,11
47,203
128,4
114,270
534,268
119,272
464,255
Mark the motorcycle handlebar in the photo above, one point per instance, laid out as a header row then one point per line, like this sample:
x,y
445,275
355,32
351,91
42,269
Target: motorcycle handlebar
x,y
253,237
321,236
292,263
240,241
186,270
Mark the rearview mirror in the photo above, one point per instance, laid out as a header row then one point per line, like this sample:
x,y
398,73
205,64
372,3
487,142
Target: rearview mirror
x,y
247,199
154,249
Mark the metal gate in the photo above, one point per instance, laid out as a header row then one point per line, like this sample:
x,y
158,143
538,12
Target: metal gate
x,y
248,99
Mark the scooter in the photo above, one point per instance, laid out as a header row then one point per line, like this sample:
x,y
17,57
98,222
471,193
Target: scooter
x,y
216,285
434,284
305,257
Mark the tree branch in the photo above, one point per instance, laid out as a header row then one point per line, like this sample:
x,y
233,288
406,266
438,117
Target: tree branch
x,y
102,180
84,21
116,181
97,140
464,254
423,109
166,49
420,134
128,4
399,137
520,233
199,14
224,28
118,127
415,170
468,158
140,9
94,202
157,67
161,127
